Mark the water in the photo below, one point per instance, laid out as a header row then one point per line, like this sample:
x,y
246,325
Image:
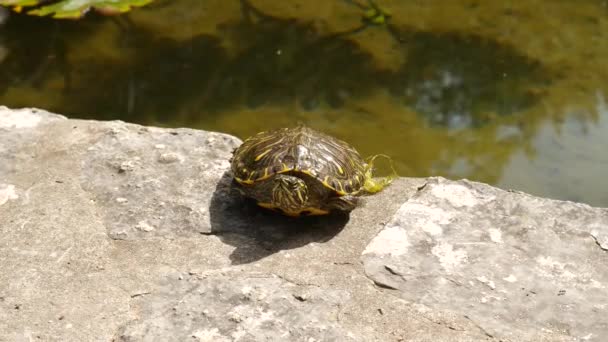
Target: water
x,y
510,93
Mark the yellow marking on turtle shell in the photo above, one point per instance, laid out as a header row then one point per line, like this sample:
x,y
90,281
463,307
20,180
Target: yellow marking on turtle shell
x,y
336,165
285,168
261,155
267,205
261,141
340,170
300,196
340,191
350,184
325,183
313,211
307,172
243,181
265,176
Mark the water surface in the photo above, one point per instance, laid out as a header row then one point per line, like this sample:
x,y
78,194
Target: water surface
x,y
508,93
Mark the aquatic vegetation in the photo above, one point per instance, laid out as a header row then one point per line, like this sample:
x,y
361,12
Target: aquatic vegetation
x,y
72,9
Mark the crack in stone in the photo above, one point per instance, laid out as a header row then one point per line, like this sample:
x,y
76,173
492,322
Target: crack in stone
x,y
295,282
384,286
392,271
483,330
597,242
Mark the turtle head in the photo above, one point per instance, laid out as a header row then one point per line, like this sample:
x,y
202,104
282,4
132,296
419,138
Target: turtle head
x,y
289,193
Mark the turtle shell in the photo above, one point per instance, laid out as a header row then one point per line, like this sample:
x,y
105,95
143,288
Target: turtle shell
x,y
334,163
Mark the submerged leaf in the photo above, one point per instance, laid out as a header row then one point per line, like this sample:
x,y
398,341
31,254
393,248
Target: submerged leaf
x,y
74,9
19,2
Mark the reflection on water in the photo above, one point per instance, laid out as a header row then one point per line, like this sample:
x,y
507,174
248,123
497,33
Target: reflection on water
x,y
462,81
571,163
446,89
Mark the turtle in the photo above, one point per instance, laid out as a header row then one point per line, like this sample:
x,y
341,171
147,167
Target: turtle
x,y
300,171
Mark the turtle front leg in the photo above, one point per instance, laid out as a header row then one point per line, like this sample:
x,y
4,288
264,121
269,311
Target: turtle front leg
x,y
343,203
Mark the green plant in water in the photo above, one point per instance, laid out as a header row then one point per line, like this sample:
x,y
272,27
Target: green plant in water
x,y
72,9
375,14
372,13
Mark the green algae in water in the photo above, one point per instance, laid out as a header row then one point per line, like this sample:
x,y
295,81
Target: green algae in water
x,y
73,9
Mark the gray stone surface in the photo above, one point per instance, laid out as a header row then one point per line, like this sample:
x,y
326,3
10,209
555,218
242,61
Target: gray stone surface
x,y
518,266
113,231
225,306
155,182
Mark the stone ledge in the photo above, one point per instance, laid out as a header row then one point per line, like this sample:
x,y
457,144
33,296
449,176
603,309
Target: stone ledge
x,y
116,231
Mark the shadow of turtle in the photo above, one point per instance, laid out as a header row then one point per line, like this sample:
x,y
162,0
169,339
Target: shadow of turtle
x,y
256,232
